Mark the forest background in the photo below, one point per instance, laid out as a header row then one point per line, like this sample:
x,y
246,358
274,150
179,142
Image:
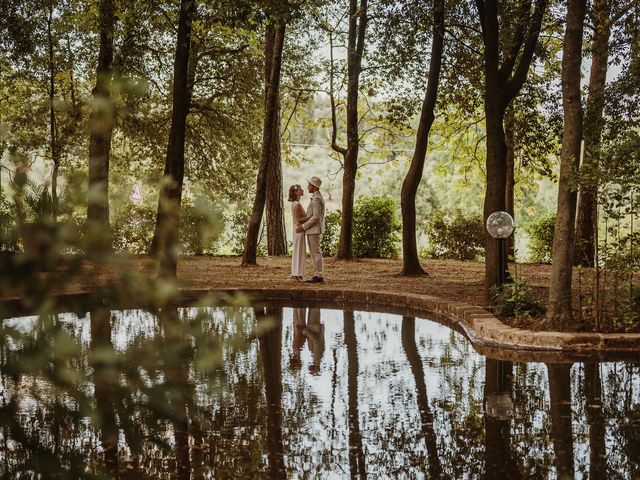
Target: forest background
x,y
54,56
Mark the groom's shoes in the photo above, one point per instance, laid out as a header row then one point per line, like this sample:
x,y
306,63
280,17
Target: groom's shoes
x,y
315,279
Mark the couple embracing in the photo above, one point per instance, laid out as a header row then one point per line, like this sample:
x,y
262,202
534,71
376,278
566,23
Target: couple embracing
x,y
307,225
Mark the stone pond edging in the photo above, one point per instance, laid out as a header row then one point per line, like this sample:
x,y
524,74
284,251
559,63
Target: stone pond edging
x,y
487,333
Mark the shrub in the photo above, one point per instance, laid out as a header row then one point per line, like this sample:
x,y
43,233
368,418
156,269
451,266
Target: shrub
x,y
235,235
8,227
201,225
541,239
376,228
461,238
515,300
133,228
622,253
331,235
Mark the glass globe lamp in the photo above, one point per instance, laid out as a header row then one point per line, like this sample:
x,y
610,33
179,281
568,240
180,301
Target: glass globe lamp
x,y
500,224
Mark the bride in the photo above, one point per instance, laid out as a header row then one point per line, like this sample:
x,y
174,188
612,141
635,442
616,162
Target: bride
x,y
299,255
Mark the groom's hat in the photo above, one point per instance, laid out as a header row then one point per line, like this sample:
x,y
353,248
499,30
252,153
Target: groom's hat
x,y
315,181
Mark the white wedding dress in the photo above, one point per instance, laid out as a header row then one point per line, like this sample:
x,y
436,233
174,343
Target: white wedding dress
x,y
299,254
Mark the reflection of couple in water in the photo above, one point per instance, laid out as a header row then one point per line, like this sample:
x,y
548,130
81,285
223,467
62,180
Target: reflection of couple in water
x,y
308,329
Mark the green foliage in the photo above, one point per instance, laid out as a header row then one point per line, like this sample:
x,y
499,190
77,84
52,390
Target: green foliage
x,y
541,239
8,226
458,238
622,253
133,228
331,235
515,300
201,225
39,204
376,228
237,221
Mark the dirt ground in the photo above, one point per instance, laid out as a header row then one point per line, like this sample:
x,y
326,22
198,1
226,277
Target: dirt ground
x,y
450,280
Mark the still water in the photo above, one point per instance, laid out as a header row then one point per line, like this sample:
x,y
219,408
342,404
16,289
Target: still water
x,y
299,393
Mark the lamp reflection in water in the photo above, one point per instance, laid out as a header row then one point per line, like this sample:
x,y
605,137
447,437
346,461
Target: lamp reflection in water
x,y
499,405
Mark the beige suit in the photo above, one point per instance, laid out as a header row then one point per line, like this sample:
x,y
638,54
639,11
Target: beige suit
x,y
313,228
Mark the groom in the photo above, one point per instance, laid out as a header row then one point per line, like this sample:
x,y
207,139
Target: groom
x,y
314,227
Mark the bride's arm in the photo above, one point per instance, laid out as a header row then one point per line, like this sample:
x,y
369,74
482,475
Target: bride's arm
x,y
299,214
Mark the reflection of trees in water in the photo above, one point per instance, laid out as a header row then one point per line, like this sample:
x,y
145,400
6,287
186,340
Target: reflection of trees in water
x,y
357,465
105,387
621,398
162,397
561,427
271,352
55,381
426,416
596,421
457,404
500,461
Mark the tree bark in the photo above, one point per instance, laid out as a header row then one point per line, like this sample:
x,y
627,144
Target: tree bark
x,y
170,200
270,117
560,309
194,58
101,128
561,430
410,260
355,50
593,124
503,81
53,126
509,194
276,232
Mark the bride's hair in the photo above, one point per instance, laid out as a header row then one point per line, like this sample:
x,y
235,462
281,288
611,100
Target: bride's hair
x,y
292,192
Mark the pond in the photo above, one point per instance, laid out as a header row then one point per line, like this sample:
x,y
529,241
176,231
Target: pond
x,y
279,392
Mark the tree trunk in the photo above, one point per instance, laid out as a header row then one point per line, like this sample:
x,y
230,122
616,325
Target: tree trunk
x,y
276,232
194,57
270,117
593,124
53,126
496,167
511,178
171,193
410,261
561,430
560,309
101,128
503,81
355,51
408,334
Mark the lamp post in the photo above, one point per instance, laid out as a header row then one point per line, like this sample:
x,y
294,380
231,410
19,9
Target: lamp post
x,y
500,225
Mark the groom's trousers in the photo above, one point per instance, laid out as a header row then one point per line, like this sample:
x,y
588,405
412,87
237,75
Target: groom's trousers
x,y
316,253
